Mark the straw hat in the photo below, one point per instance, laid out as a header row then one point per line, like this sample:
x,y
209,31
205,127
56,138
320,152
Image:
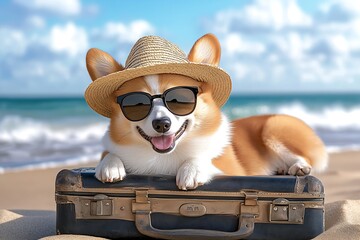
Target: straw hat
x,y
154,55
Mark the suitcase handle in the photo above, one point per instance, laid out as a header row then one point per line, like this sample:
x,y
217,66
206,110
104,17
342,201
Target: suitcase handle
x,y
143,224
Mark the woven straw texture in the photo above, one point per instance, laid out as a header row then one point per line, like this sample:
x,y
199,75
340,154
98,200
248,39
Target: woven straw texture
x,y
154,55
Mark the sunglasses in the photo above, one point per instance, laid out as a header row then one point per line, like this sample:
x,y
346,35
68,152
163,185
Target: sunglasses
x,y
180,101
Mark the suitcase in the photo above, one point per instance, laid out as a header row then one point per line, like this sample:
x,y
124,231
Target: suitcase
x,y
256,207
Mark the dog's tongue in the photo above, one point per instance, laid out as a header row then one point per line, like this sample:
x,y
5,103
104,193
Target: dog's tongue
x,y
163,142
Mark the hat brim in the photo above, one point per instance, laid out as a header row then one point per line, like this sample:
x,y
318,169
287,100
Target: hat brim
x,y
99,92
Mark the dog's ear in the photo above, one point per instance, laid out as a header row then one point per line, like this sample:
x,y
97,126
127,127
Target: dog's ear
x,y
206,50
100,63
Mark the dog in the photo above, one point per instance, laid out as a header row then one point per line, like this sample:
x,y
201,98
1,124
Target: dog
x,y
163,122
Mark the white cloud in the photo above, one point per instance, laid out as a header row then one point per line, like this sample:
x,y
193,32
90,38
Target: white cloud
x,y
234,43
339,44
30,69
292,45
46,55
277,43
240,70
36,21
339,70
276,14
54,71
38,76
65,7
50,58
126,33
350,31
91,9
12,42
349,5
69,39
263,15
339,10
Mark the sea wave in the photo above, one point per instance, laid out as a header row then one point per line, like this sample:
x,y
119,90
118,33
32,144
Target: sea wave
x,y
28,143
338,149
31,143
334,117
69,162
16,129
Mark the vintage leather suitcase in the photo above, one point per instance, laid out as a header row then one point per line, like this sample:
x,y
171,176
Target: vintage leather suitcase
x,y
260,207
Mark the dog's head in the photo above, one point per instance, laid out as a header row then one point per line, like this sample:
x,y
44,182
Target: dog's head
x,y
160,111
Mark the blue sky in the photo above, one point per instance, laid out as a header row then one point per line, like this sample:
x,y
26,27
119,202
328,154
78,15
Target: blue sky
x,y
267,45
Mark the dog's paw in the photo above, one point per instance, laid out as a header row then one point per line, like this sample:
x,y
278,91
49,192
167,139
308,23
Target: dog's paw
x,y
110,169
300,169
190,176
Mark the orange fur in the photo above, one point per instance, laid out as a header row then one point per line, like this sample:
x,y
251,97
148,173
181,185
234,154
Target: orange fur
x,y
256,142
252,137
250,148
203,50
120,128
100,63
209,120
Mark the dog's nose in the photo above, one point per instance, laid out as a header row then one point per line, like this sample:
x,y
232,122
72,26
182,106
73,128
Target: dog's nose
x,y
161,125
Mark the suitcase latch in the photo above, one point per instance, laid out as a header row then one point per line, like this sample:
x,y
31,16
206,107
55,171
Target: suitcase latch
x,y
283,211
250,205
100,205
141,202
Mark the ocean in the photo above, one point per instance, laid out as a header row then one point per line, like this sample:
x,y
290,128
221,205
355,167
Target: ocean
x,y
48,132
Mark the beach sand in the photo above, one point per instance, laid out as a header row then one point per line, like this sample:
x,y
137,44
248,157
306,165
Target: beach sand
x,y
34,190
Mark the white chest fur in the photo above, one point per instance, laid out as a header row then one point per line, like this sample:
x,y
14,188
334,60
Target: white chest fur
x,y
142,159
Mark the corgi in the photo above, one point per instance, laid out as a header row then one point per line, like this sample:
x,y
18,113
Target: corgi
x,y
195,141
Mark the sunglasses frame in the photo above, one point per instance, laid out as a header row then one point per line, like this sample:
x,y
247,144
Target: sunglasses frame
x,y
121,98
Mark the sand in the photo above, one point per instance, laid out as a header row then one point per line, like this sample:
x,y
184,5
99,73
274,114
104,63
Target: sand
x,y
28,197
33,189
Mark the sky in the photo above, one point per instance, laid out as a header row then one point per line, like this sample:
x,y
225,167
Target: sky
x,y
268,46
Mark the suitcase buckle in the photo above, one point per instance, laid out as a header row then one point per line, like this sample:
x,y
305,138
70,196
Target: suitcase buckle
x,y
141,202
283,211
250,205
100,205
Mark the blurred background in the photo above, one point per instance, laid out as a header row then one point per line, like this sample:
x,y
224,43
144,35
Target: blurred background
x,y
284,56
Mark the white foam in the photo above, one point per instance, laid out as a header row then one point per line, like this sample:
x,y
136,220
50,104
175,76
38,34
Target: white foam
x,y
26,143
91,159
330,117
338,149
15,129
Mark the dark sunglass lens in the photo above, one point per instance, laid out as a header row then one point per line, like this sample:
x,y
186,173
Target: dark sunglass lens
x,y
181,101
136,106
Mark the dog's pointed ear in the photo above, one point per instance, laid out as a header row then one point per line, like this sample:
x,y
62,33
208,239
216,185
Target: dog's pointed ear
x,y
100,63
206,50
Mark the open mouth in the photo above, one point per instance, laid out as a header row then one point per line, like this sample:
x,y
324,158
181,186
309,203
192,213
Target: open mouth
x,y
164,143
